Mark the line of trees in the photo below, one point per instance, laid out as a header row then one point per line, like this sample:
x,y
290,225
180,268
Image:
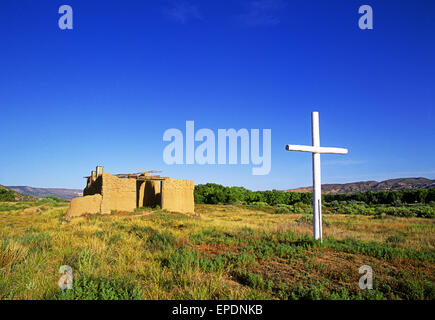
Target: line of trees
x,y
212,193
386,197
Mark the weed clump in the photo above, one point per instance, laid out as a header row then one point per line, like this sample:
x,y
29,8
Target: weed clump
x,y
12,253
98,288
161,240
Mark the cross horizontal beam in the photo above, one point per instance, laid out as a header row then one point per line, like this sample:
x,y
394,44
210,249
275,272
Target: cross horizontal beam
x,y
313,149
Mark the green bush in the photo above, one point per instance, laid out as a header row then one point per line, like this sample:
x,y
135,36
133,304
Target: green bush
x,y
250,279
259,204
7,195
280,210
284,208
161,240
54,199
48,201
97,288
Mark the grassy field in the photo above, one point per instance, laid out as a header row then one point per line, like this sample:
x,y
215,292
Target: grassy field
x,y
223,252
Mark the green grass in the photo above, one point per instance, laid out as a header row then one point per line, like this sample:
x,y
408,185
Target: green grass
x,y
228,252
89,288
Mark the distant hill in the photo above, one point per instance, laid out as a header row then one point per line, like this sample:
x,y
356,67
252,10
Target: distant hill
x,y
363,186
17,195
67,194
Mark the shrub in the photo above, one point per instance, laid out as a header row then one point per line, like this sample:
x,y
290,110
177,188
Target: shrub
x,y
48,200
305,219
283,209
54,199
251,279
182,260
161,240
259,204
97,288
395,239
7,195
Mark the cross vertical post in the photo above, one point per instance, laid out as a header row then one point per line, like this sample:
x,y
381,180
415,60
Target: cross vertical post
x,y
316,150
317,184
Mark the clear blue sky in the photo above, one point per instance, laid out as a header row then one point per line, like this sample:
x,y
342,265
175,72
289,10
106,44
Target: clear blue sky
x,y
104,92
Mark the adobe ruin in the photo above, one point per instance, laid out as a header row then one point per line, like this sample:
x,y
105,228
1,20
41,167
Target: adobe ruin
x,y
105,193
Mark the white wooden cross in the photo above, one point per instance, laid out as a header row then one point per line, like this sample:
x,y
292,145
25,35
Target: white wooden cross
x,y
316,150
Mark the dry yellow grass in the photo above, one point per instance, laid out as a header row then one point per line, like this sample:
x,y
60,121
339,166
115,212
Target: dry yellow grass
x,y
174,256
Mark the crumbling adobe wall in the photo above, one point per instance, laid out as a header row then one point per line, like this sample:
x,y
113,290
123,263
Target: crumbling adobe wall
x,y
105,193
148,193
83,205
177,195
118,194
94,187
